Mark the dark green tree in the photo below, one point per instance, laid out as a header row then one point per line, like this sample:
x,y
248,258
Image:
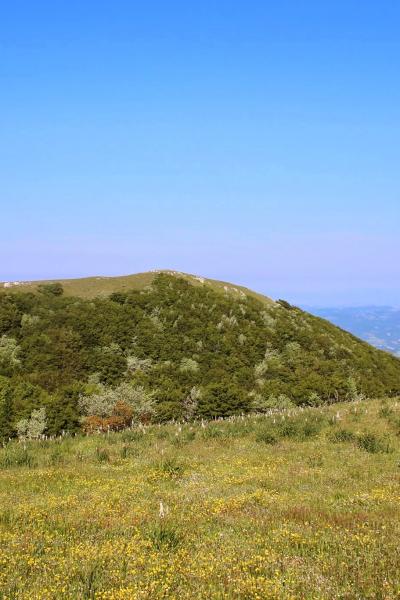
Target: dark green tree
x,y
51,289
222,400
6,410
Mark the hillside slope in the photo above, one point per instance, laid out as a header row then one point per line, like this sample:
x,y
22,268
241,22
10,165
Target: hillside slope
x,y
92,287
302,504
181,350
377,325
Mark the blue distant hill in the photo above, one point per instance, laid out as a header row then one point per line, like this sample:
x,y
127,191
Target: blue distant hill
x,y
378,325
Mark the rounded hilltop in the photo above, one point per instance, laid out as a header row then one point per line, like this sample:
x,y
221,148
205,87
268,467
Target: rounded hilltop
x,y
101,285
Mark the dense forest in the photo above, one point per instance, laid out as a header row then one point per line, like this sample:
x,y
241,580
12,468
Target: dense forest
x,y
170,350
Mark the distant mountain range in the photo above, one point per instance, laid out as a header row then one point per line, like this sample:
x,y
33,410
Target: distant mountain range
x,y
378,325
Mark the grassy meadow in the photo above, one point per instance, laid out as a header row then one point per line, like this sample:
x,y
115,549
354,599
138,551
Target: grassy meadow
x,y
100,286
299,504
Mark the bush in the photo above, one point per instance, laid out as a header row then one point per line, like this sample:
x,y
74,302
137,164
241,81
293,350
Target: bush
x,y
214,431
373,444
288,429
266,436
132,435
164,536
171,467
128,450
386,412
314,400
9,355
222,400
56,457
34,427
188,365
301,428
309,429
168,410
163,434
184,438
51,289
395,422
116,408
343,435
102,455
280,402
16,456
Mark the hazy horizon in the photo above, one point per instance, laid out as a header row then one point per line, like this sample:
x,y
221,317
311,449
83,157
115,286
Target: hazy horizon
x,y
292,298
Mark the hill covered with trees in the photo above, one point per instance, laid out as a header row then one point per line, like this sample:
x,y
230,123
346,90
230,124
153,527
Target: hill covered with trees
x,y
174,347
377,325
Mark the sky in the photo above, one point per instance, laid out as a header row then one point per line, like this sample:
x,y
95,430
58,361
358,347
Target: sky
x,y
255,142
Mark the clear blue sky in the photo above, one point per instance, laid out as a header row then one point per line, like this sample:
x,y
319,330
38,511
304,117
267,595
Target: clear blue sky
x,y
256,142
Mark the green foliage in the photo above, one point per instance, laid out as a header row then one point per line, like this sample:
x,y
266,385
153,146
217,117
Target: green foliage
x,y
222,400
188,365
301,428
6,409
262,404
373,444
51,289
103,402
102,455
95,516
343,435
196,350
171,467
266,436
9,355
34,427
62,410
386,411
168,410
164,536
370,442
214,432
16,456
184,438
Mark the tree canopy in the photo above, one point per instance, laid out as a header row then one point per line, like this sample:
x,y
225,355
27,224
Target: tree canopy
x,y
165,341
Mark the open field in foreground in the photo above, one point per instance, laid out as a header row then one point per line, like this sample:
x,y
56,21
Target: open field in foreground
x,y
302,505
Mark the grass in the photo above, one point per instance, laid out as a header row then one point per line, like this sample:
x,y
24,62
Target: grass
x,y
302,504
90,287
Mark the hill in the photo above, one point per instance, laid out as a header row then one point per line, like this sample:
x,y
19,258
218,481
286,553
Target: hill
x,y
92,287
176,347
298,504
377,325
